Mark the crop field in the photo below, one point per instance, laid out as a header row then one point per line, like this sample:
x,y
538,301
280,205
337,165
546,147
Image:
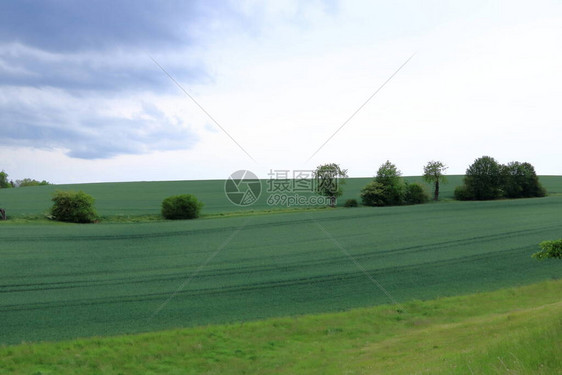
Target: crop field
x,y
144,198
66,281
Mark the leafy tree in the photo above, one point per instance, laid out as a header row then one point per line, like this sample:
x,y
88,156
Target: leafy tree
x,y
550,249
519,180
433,173
179,207
483,179
390,178
4,183
73,207
329,179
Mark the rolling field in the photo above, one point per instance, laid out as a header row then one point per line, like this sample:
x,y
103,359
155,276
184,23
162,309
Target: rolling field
x,y
66,281
145,198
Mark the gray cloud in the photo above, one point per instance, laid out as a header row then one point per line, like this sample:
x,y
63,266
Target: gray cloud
x,y
104,45
91,71
68,26
62,61
88,133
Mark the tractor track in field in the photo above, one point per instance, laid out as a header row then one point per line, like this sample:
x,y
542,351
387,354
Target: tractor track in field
x,y
248,287
278,264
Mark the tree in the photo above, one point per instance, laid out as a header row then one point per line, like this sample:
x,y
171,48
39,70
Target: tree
x,y
390,178
519,180
73,207
483,179
179,207
4,183
486,179
329,179
433,173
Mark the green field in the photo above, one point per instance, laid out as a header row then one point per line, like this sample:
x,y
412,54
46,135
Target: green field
x,y
145,198
66,281
510,331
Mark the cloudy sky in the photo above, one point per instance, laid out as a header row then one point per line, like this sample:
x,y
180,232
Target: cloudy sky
x,y
88,89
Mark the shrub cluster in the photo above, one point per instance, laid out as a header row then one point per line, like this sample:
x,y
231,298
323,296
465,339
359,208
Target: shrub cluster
x,y
73,207
486,179
389,189
178,207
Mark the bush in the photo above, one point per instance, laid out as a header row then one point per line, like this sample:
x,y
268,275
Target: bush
x,y
373,194
415,194
73,207
178,207
351,203
550,249
463,194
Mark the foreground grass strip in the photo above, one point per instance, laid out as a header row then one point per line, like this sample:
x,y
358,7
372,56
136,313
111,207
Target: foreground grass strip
x,y
510,331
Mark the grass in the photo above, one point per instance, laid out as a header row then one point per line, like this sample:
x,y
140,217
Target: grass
x,y
64,281
509,331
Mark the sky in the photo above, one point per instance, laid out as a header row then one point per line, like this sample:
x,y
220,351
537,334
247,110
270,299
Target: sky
x,y
187,90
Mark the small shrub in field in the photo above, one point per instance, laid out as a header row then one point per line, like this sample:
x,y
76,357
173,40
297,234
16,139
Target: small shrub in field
x,y
73,207
351,203
415,194
550,249
178,207
463,194
373,194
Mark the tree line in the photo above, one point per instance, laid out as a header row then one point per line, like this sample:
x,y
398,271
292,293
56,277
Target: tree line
x,y
485,179
5,183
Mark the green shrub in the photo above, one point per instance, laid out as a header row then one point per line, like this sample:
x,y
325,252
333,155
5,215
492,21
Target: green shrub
x,y
550,249
462,193
351,203
73,207
178,207
373,194
415,194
